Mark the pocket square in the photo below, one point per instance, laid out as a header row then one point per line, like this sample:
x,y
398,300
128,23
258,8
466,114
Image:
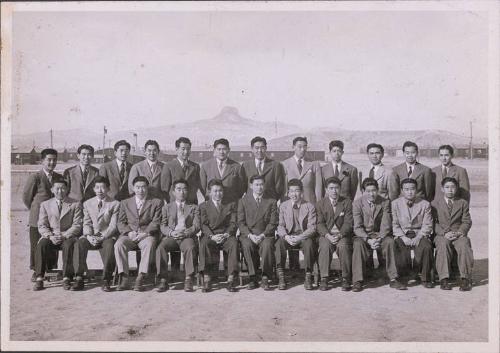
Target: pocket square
x,y
341,214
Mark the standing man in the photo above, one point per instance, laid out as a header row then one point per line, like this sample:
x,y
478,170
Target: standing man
x,y
223,168
37,190
373,231
346,173
100,230
412,227
181,168
60,225
179,225
388,187
80,177
257,220
274,175
335,229
416,171
218,227
302,168
117,171
452,224
139,226
296,230
150,168
451,170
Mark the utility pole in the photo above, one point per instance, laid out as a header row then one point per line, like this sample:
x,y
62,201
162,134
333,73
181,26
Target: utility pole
x,y
104,139
135,137
470,142
276,126
51,138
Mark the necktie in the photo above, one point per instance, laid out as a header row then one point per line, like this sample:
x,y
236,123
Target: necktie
x,y
296,206
336,171
99,205
409,203
445,172
410,170
139,206
217,205
299,165
184,169
449,203
122,172
259,167
85,175
258,201
153,167
59,206
49,176
372,173
372,208
221,168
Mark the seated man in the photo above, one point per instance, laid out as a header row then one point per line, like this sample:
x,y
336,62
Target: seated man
x,y
412,227
179,225
296,229
335,229
257,220
373,231
452,223
100,230
139,225
218,226
59,225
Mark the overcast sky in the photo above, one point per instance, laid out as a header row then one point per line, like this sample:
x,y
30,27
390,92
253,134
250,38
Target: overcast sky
x,y
354,70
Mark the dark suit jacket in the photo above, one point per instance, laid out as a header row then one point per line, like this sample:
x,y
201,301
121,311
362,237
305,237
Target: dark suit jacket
x,y
348,177
172,171
458,221
342,217
274,177
169,218
77,189
366,222
142,168
36,190
232,179
257,220
456,172
117,190
148,221
215,222
422,174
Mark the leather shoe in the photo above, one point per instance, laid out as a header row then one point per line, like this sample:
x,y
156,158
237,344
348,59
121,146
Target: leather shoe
x,y
78,284
188,284
445,285
346,286
428,284
323,284
265,283
252,284
230,286
38,284
397,285
33,277
163,286
465,285
308,281
207,285
66,283
138,285
357,287
123,283
106,285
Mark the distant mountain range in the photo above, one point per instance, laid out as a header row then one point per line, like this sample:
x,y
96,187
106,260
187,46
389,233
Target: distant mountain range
x,y
239,130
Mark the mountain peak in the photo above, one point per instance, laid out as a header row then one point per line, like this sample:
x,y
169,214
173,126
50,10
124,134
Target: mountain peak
x,y
229,115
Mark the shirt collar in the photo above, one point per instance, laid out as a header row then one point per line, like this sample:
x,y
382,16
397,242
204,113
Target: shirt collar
x,y
180,203
46,172
259,160
137,201
257,197
412,165
151,163
119,163
82,168
446,199
375,167
332,200
297,159
182,162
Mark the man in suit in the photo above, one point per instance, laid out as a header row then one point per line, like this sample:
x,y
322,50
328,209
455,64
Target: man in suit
x,y
257,221
334,226
100,231
296,230
181,168
117,171
80,177
346,173
449,169
414,170
388,187
274,177
139,226
60,225
223,168
37,190
150,168
218,227
373,231
179,225
452,224
412,227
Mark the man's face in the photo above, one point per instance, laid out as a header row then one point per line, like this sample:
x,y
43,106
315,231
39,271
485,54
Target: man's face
x,y
100,189
295,193
141,189
449,189
336,154
259,150
371,193
300,149
180,192
375,155
409,191
85,156
221,151
49,162
122,153
410,154
258,187
333,191
445,157
151,153
183,151
59,190
217,193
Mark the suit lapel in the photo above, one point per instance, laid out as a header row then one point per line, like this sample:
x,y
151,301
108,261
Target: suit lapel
x,y
378,208
307,165
379,174
145,206
190,169
289,215
227,169
338,210
417,170
64,209
267,166
342,168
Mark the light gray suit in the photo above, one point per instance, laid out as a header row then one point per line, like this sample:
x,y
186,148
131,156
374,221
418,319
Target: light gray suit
x,y
142,169
310,177
388,186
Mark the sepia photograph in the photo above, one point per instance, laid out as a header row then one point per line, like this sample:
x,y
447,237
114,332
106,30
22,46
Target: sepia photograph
x,y
250,176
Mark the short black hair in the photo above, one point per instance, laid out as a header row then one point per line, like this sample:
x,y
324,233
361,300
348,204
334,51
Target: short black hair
x,y
375,145
151,143
222,141
446,147
121,143
408,181
336,143
59,180
140,178
369,182
258,139
332,180
180,181
449,179
410,144
48,151
299,139
256,177
214,182
85,147
101,179
295,182
182,140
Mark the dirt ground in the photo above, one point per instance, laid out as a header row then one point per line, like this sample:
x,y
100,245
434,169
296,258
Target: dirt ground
x,y
378,313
